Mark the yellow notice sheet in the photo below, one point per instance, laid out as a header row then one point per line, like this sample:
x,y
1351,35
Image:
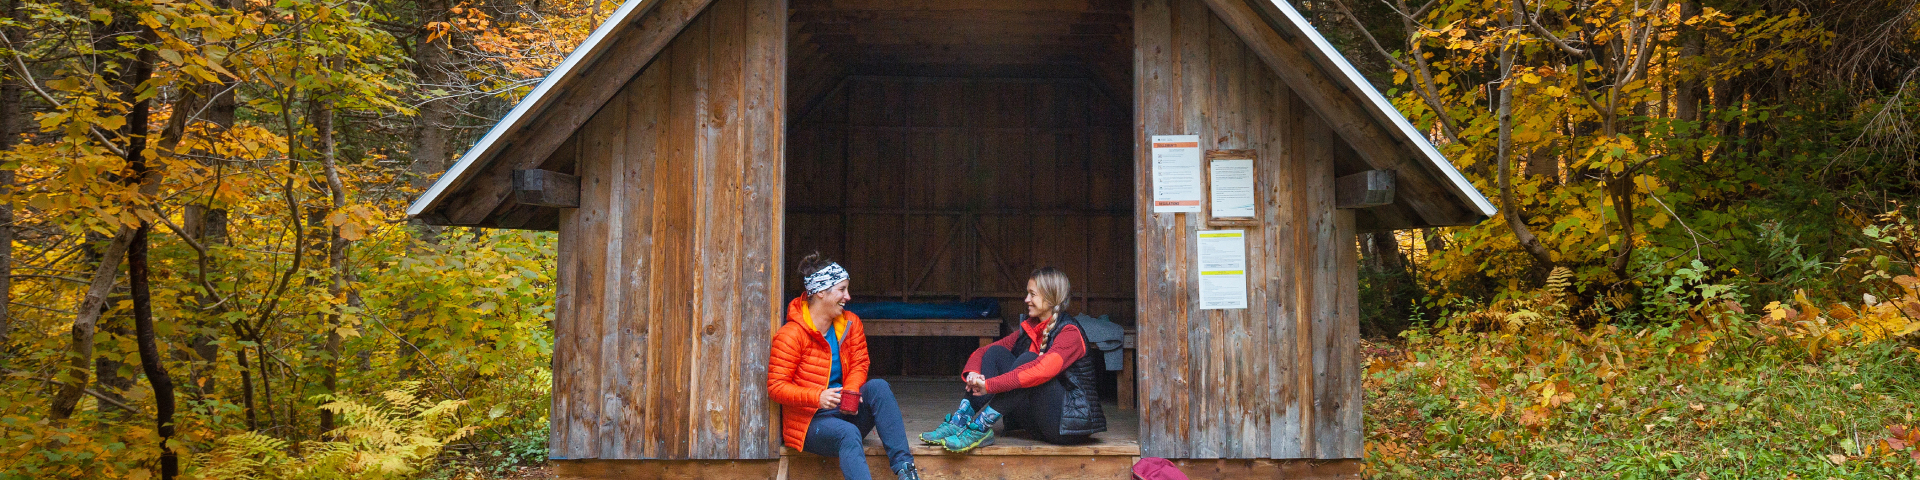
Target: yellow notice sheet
x,y
1223,269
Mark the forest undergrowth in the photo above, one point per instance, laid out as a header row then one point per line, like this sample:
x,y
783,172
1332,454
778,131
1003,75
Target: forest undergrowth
x,y
1698,386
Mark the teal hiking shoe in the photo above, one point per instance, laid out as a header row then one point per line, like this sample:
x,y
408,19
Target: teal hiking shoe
x,y
906,472
955,422
977,433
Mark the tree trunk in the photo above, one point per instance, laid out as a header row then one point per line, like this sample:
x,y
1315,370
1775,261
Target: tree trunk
x,y
86,320
336,259
1509,205
1386,252
246,384
93,306
1689,92
150,362
432,126
1620,189
202,225
137,271
11,125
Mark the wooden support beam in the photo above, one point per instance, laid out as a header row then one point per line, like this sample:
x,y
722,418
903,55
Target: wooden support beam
x,y
1370,188
546,188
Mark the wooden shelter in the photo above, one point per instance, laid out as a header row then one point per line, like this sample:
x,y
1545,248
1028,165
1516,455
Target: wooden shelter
x,y
688,150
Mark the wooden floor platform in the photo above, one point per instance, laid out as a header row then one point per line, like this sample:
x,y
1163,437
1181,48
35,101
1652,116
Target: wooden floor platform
x,y
1014,456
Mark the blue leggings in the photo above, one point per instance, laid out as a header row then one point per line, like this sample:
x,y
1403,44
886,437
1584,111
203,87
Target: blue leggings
x,y
835,434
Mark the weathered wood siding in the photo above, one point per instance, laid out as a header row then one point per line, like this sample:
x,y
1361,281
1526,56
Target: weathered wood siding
x,y
668,271
1279,379
941,188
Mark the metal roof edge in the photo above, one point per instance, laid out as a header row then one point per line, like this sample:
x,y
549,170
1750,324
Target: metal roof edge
x,y
487,144
1464,188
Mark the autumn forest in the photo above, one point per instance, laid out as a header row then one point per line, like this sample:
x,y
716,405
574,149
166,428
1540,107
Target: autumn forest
x,y
1703,265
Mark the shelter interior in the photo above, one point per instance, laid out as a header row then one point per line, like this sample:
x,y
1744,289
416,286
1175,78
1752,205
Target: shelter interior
x,y
943,150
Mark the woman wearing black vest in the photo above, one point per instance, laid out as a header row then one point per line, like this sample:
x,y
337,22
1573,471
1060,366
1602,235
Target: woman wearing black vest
x,y
1040,377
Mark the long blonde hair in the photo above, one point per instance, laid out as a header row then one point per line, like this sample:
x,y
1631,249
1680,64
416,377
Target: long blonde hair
x,y
1056,291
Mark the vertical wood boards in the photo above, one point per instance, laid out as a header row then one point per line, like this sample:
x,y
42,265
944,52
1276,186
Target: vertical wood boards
x,y
1301,267
764,189
1342,437
604,152
645,118
956,187
1320,261
669,265
720,147
566,255
1163,390
1278,379
590,296
1282,144
1192,70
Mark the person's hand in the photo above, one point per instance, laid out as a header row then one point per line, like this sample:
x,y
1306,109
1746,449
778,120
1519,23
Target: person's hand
x,y
976,383
830,398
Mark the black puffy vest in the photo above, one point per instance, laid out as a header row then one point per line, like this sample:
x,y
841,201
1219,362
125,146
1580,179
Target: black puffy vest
x,y
1080,412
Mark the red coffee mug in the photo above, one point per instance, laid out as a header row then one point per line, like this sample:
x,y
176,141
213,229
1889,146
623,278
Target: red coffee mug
x,y
849,402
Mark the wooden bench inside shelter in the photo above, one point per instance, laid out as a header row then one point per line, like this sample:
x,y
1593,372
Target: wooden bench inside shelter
x,y
986,329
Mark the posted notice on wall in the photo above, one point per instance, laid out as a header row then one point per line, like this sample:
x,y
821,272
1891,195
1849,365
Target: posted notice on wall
x,y
1223,269
1176,173
1232,181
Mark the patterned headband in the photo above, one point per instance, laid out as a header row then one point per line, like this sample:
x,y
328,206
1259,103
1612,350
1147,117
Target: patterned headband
x,y
826,278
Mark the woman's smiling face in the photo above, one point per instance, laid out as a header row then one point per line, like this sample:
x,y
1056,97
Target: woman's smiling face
x,y
1037,306
833,301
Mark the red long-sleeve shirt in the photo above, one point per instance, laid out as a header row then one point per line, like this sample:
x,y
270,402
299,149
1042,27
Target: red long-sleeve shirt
x,y
1068,346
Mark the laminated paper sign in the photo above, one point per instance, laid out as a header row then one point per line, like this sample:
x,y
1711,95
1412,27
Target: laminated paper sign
x,y
1223,269
1176,173
1232,188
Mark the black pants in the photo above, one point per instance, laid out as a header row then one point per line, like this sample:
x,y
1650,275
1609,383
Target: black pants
x,y
1036,409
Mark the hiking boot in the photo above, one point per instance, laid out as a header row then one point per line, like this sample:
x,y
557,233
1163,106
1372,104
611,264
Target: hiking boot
x,y
907,472
954,423
977,433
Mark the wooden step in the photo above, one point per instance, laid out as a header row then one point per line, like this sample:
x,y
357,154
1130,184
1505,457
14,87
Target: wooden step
x,y
954,466
1098,449
1010,462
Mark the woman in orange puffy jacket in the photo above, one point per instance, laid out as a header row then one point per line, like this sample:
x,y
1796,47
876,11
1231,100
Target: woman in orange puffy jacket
x,y
818,374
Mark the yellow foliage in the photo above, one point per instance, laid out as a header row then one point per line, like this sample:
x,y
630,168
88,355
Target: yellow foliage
x,y
1838,324
390,439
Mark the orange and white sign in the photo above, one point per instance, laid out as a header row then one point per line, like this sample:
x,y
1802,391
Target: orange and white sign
x,y
1176,173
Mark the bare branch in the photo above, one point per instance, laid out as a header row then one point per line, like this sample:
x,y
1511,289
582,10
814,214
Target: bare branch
x,y
96,395
50,277
1425,89
19,66
1521,7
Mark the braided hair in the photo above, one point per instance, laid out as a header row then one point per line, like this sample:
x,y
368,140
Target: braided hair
x,y
1056,291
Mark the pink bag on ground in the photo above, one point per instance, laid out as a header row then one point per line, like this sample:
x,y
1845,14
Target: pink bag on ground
x,y
1156,468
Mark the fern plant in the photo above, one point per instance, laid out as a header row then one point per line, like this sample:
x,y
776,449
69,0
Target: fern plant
x,y
392,438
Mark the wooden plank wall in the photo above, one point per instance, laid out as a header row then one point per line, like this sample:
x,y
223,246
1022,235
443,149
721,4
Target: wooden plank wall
x,y
940,188
668,270
1279,379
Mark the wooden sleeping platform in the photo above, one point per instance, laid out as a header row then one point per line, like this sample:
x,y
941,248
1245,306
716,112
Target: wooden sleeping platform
x,y
986,329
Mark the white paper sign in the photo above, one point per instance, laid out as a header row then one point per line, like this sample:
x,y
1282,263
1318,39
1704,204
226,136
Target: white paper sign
x,y
1223,269
1232,182
1176,173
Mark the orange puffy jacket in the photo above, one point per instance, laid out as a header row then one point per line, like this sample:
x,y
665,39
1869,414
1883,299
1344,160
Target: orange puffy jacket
x,y
798,368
